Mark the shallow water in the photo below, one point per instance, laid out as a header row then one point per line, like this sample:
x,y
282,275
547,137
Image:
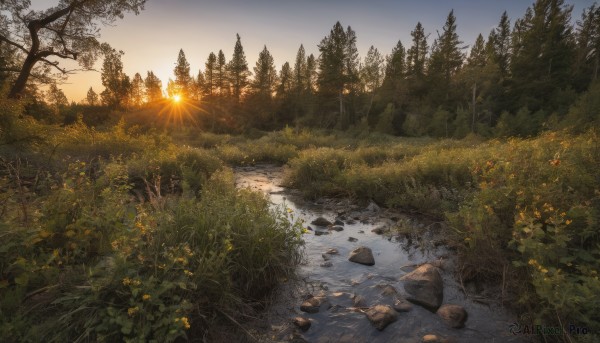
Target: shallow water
x,y
394,257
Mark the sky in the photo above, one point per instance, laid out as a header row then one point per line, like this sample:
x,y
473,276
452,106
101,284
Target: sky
x,y
152,39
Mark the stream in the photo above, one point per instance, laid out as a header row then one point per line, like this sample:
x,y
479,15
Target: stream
x,y
340,280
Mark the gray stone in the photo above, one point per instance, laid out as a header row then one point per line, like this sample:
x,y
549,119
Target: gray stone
x,y
314,304
321,233
362,255
332,251
321,222
454,316
336,228
302,323
388,290
401,305
352,239
326,264
359,301
424,286
338,222
381,316
350,221
373,207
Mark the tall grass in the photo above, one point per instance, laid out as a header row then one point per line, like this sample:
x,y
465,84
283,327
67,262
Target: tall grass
x,y
109,236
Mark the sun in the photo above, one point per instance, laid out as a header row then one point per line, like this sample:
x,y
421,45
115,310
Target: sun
x,y
176,98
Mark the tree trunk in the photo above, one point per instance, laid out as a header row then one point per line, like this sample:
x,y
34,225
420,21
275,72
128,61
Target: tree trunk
x,y
19,85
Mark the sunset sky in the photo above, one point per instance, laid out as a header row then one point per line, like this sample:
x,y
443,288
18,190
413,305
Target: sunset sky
x,y
151,40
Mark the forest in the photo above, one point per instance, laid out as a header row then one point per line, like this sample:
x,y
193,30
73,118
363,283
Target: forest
x,y
120,220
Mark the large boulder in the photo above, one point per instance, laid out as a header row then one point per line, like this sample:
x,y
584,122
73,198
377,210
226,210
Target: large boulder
x,y
381,316
424,286
362,255
454,316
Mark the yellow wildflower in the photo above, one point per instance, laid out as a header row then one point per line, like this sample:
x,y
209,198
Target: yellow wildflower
x,y
185,321
132,311
146,297
568,222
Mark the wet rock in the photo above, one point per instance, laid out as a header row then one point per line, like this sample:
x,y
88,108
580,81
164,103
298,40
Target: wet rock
x,y
321,233
442,264
326,264
362,255
352,239
336,228
309,228
326,257
302,323
380,230
361,231
432,339
321,222
332,251
381,316
314,304
359,301
425,287
350,221
401,305
453,315
338,222
388,290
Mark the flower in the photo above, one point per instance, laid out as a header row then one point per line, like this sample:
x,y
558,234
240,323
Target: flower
x,y
132,311
146,297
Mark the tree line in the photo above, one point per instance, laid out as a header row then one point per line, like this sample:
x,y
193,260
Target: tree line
x,y
520,79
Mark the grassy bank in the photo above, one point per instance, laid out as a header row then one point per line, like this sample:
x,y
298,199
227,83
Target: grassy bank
x,y
122,236
523,213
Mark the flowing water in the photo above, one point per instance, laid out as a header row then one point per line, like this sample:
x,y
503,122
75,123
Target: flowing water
x,y
341,279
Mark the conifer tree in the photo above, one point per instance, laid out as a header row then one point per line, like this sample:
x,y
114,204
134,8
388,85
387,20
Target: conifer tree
x,y
153,87
500,40
210,75
221,80
238,71
137,91
265,75
183,79
92,97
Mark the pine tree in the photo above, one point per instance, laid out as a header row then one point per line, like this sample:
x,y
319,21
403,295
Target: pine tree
x,y
500,40
210,75
137,91
238,71
338,65
183,79
311,73
299,81
265,75
542,55
587,60
199,86
221,80
478,55
153,87
92,97
394,84
285,81
372,74
417,54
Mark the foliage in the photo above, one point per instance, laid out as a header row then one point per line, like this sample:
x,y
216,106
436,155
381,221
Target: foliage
x,y
90,253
